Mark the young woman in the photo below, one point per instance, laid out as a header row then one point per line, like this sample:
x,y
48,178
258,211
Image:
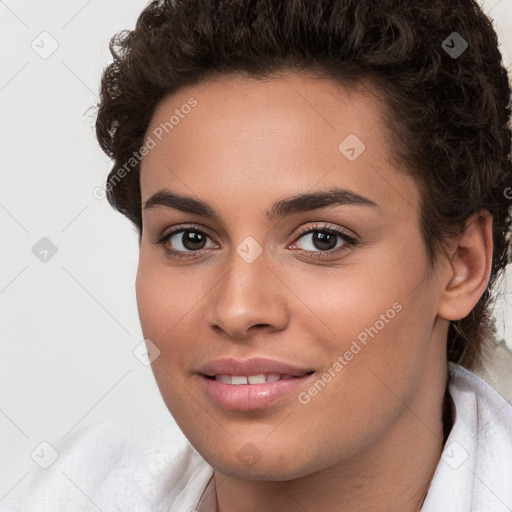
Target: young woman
x,y
321,194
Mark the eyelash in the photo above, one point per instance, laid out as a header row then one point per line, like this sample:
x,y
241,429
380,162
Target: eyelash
x,y
350,241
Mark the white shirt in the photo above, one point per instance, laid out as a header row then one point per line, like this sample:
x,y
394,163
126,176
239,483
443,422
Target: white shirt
x,y
148,467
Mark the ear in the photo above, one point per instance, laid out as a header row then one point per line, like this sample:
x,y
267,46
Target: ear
x,y
468,268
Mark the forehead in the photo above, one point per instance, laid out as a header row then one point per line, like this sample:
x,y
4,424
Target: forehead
x,y
245,112
248,135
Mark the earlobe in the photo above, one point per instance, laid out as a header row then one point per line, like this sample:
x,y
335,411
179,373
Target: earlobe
x,y
469,268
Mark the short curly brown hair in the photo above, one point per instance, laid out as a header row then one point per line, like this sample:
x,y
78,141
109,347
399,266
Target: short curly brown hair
x,y
448,113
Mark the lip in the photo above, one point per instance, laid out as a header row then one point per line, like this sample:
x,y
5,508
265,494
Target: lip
x,y
248,397
253,366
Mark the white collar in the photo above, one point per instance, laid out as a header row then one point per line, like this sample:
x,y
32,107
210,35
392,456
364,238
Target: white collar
x,y
475,470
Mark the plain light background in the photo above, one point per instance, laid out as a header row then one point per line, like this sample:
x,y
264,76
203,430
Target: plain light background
x,y
69,324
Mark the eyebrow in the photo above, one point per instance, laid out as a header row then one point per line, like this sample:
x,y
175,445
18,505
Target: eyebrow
x,y
298,203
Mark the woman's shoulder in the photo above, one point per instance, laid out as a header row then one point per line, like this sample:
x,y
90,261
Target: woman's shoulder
x,y
140,465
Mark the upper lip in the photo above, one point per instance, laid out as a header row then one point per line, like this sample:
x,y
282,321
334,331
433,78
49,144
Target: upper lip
x,y
254,366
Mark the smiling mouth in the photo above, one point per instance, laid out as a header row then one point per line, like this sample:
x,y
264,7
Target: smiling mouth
x,y
244,393
237,380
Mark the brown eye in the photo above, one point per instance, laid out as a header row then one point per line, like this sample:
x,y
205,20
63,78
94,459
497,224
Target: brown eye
x,y
325,239
184,241
189,240
322,240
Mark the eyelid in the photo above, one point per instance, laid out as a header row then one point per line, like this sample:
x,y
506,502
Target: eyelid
x,y
323,226
349,239
183,227
164,237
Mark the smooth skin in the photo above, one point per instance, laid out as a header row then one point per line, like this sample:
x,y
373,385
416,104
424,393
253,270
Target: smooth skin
x,y
372,438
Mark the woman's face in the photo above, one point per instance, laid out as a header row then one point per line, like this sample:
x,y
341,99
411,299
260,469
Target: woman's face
x,y
334,288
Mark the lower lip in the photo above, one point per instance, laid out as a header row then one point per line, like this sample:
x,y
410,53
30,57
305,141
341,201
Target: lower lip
x,y
249,397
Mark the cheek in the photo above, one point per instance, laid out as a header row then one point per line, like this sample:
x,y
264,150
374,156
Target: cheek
x,y
162,305
361,301
165,297
154,301
374,329
171,304
372,373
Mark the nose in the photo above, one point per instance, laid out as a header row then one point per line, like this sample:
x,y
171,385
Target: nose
x,y
249,299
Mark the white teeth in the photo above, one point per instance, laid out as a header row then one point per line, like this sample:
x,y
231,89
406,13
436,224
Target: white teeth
x,y
236,380
256,379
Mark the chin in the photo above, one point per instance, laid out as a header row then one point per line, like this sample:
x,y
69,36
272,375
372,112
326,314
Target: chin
x,y
248,463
